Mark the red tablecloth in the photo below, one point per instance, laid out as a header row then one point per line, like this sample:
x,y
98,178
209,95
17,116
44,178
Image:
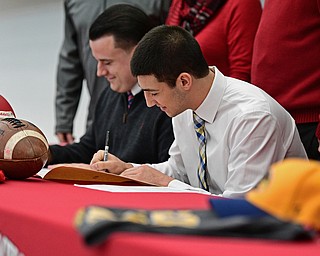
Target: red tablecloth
x,y
37,217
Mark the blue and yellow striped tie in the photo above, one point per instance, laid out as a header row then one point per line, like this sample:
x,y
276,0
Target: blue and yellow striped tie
x,y
199,126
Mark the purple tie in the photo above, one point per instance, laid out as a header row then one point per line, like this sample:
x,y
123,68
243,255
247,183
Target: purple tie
x,y
130,98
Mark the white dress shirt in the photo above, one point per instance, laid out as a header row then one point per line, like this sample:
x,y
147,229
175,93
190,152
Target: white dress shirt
x,y
246,132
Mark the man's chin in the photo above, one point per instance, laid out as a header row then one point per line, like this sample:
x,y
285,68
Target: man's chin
x,y
115,88
165,111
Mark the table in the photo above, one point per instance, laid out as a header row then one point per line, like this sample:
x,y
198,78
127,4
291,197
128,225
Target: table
x,y
36,218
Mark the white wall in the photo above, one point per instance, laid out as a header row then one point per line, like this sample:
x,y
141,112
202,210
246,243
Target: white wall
x,y
31,33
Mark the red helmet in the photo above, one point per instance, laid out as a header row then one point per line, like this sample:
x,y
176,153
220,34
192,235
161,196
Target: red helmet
x,y
5,108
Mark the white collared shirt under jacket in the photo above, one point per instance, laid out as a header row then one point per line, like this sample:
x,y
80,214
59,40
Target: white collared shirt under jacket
x,y
246,132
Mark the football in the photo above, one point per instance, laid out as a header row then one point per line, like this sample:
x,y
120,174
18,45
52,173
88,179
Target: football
x,y
23,148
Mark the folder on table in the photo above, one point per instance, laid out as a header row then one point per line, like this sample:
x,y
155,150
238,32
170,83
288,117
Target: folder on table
x,y
82,175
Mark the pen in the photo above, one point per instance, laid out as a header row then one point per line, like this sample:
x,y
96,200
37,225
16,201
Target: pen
x,y
106,147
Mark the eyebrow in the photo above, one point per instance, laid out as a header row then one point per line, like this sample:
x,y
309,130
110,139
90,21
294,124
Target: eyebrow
x,y
105,60
149,90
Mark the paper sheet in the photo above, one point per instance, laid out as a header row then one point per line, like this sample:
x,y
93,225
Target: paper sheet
x,y
43,172
113,188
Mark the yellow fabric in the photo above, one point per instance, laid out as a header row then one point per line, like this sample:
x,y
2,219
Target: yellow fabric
x,y
292,192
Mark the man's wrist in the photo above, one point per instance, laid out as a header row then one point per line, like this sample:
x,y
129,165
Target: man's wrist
x,y
127,166
166,181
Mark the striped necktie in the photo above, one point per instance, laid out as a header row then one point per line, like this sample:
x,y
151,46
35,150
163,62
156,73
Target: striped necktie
x,y
130,98
199,126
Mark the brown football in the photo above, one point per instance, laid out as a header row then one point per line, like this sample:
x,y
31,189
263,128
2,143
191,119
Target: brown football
x,y
23,148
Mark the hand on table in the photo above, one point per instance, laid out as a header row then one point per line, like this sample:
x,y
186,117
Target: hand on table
x,y
147,174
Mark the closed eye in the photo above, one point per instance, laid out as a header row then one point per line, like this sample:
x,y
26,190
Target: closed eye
x,y
151,93
106,63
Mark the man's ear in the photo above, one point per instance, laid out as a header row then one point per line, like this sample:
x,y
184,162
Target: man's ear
x,y
184,81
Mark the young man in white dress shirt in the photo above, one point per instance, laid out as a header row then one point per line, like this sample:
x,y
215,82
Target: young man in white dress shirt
x,y
245,129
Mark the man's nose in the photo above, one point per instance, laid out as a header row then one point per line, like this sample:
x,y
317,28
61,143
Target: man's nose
x,y
101,70
149,99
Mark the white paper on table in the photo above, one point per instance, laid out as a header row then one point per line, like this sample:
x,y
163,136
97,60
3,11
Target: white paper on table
x,y
43,172
114,188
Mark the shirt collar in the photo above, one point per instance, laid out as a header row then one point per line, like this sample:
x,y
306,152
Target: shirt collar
x,y
135,89
209,107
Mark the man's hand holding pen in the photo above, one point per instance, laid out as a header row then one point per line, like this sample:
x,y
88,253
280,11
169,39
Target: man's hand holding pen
x,y
113,165
103,161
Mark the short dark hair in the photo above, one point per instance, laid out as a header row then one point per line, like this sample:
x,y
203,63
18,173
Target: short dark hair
x,y
126,23
166,52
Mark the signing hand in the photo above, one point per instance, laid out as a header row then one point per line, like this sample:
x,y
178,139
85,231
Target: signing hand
x,y
113,165
147,174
